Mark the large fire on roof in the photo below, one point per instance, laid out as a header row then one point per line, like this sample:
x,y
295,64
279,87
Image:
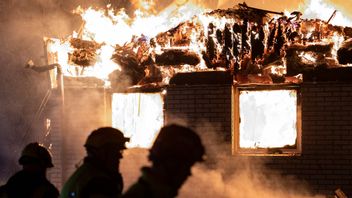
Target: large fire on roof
x,y
255,45
122,47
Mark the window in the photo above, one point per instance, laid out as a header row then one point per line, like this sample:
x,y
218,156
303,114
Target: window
x,y
267,120
139,115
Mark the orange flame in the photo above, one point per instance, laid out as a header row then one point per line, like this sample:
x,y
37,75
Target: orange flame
x,y
108,29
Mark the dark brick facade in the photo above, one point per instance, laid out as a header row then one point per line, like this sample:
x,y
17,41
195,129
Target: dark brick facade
x,y
326,160
74,116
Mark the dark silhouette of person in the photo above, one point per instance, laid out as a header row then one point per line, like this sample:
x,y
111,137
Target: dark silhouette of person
x,y
31,181
174,152
99,175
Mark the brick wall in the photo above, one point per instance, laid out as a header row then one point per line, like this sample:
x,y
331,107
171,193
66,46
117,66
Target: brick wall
x,y
55,115
85,110
326,160
73,118
201,107
325,163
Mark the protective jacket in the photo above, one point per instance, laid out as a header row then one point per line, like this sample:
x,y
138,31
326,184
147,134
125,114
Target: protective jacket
x,y
90,180
148,186
26,184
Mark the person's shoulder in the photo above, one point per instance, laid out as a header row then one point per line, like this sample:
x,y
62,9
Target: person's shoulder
x,y
2,191
101,182
52,192
46,190
51,187
19,178
102,185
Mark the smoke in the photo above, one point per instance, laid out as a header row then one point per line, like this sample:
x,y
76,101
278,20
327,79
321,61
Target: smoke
x,y
247,183
23,26
225,175
222,175
325,10
288,5
133,160
155,6
343,7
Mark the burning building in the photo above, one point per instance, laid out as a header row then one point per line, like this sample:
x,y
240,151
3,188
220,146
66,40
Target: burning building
x,y
271,85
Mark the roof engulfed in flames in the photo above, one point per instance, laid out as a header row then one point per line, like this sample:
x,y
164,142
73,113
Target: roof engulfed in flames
x,y
257,46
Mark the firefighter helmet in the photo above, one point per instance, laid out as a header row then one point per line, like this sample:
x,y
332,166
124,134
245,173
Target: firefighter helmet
x,y
177,142
106,135
35,152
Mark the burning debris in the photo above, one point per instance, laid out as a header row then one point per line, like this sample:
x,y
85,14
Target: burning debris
x,y
307,57
251,45
254,45
177,57
344,53
84,53
131,64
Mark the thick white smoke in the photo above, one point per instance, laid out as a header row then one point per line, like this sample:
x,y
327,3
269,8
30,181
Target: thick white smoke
x,y
223,175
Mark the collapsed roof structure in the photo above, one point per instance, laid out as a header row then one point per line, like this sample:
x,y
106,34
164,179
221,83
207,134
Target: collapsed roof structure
x,y
254,45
